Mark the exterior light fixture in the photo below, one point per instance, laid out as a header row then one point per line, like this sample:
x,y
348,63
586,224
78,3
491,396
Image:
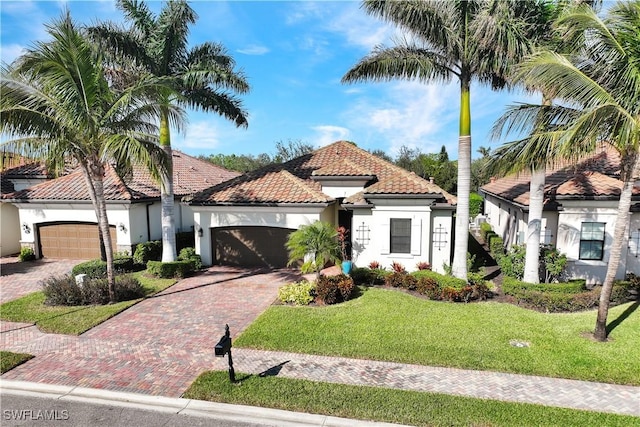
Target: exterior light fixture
x,y
26,228
199,231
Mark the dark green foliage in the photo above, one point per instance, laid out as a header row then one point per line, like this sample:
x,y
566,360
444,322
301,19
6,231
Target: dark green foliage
x,y
442,280
65,291
512,263
189,253
334,289
166,270
148,251
496,245
97,268
475,204
561,297
26,254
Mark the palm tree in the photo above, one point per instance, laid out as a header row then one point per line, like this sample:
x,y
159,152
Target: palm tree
x,y
317,244
451,40
202,77
599,85
57,105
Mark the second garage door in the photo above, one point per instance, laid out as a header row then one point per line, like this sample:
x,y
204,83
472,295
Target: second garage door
x,y
251,246
72,240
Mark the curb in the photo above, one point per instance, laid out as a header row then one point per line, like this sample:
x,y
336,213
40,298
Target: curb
x,y
191,407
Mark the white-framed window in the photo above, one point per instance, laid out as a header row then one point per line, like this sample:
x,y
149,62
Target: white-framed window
x,y
592,240
400,235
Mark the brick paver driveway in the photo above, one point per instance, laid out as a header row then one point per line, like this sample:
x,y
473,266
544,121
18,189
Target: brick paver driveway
x,y
158,346
21,278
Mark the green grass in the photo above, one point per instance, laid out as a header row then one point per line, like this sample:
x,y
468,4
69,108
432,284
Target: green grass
x,y
388,325
389,405
10,360
72,320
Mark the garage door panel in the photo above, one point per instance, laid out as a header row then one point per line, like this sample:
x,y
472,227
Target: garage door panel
x,y
251,246
71,240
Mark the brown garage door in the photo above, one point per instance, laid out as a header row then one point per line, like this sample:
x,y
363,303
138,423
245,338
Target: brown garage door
x,y
72,240
250,246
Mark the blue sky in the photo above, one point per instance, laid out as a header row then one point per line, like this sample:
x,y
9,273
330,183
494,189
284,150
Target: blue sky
x,y
294,54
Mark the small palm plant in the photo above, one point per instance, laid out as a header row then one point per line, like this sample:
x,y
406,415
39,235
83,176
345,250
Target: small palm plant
x,y
317,244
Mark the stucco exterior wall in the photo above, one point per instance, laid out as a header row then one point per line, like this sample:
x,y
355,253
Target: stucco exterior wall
x,y
9,229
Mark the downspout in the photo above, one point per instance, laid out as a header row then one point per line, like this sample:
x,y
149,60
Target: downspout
x,y
148,223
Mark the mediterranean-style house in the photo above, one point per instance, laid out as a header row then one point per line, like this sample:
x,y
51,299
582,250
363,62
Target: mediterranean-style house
x,y
580,208
392,215
56,218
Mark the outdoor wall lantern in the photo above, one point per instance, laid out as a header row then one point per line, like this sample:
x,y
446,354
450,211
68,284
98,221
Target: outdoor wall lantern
x,y
122,227
224,347
26,228
199,231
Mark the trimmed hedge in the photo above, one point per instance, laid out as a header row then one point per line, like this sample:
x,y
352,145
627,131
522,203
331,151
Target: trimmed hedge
x,y
96,268
334,289
564,297
369,276
189,253
65,291
167,270
442,280
148,251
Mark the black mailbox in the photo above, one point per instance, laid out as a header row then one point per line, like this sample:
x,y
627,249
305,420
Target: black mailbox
x,y
223,348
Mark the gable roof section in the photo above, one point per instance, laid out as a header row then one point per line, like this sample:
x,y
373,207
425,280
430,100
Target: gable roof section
x,y
340,159
593,177
190,175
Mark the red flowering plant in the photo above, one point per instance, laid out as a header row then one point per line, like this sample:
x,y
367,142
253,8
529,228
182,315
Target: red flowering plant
x,y
342,239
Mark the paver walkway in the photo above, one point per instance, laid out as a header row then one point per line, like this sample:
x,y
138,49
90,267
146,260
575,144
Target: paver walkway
x,y
159,347
21,278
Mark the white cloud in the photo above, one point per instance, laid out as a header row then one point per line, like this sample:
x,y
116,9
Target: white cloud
x,y
304,10
10,52
254,49
407,113
360,29
201,135
328,134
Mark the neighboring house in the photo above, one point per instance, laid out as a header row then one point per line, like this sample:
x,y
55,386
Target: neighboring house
x,y
16,174
580,209
57,218
391,214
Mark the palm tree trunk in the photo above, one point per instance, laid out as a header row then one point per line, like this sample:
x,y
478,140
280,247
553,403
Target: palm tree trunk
x,y
459,265
169,253
534,225
630,169
95,172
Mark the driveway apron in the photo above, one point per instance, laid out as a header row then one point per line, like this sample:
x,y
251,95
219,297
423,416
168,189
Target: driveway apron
x,y
21,278
158,346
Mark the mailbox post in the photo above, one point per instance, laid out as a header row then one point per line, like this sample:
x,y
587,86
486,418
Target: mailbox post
x,y
224,347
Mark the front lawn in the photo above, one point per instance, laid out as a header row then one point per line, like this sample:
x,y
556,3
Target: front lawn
x,y
389,405
9,360
389,325
72,320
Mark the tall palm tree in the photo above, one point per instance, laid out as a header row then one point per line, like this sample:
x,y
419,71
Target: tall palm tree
x,y
599,85
522,155
201,77
451,40
57,105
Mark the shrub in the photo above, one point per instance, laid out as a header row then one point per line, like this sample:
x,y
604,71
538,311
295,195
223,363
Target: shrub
x,y
65,291
299,293
395,279
26,254
553,264
165,270
475,204
97,268
428,286
334,289
189,253
512,263
148,251
496,246
423,265
375,265
363,276
485,228
397,267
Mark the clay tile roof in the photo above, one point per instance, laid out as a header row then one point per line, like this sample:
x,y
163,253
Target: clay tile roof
x,y
590,177
190,175
26,170
341,158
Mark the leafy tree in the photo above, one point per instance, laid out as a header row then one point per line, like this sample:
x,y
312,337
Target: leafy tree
x,y
317,244
58,104
451,40
383,155
201,77
597,84
290,150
